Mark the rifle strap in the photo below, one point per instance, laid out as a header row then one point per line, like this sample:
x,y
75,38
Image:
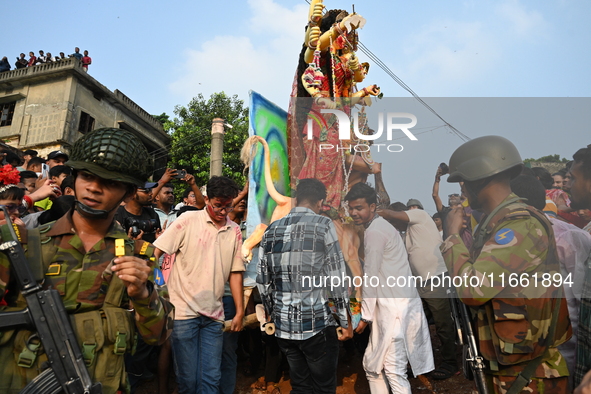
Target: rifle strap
x,y
524,376
39,266
34,252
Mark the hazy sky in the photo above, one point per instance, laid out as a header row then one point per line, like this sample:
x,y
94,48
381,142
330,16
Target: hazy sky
x,y
162,54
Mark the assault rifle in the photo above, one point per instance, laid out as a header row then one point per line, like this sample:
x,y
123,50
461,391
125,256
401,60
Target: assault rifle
x,y
472,362
46,314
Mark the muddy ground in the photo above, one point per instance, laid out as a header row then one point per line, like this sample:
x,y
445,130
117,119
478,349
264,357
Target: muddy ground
x,y
351,377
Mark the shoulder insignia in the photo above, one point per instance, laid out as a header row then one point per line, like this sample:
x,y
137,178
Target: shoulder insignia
x,y
504,236
158,277
144,247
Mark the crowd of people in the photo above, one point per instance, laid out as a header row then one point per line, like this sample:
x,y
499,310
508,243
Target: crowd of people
x,y
23,62
184,277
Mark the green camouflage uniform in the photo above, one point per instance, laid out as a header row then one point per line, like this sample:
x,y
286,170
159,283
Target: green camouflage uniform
x,y
100,310
513,321
584,331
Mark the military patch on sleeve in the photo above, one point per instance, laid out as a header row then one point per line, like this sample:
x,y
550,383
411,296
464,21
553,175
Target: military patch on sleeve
x,y
504,236
158,277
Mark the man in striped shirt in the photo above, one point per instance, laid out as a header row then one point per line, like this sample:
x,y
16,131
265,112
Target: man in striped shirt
x,y
300,261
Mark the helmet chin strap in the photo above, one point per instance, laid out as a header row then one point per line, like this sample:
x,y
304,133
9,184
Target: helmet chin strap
x,y
474,189
87,211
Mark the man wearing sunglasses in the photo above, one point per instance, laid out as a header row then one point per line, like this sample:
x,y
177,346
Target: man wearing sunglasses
x,y
207,246
14,210
143,216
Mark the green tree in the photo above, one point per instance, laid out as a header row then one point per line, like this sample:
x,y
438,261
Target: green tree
x,y
546,159
191,135
162,118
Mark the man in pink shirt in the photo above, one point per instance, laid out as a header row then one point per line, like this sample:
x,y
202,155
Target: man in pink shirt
x,y
207,246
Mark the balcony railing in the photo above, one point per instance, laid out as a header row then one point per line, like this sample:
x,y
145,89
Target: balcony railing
x,y
73,63
43,68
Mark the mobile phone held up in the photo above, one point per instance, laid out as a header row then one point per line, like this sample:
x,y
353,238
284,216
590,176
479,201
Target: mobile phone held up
x,y
180,174
44,170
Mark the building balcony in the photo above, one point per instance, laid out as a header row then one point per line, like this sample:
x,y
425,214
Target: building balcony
x,y
40,73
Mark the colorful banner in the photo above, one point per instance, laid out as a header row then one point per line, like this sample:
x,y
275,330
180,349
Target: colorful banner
x,y
270,122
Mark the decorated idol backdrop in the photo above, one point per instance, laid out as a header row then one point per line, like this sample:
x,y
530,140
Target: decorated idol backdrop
x,y
329,76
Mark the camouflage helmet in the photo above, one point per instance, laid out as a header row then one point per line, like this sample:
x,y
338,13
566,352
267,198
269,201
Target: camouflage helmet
x,y
113,154
483,157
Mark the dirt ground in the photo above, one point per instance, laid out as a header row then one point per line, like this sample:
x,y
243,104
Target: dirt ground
x,y
350,377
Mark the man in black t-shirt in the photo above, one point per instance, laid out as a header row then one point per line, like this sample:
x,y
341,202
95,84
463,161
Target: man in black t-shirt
x,y
140,208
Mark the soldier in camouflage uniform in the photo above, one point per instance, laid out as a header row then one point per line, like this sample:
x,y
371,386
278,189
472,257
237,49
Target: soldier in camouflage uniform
x,y
580,188
518,325
107,297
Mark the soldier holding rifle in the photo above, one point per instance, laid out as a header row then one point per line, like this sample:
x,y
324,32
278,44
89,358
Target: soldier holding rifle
x,y
518,325
103,279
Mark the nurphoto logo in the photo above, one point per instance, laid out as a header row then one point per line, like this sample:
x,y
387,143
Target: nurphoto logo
x,y
391,119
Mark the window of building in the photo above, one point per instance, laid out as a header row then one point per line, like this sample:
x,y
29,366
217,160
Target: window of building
x,y
86,123
6,112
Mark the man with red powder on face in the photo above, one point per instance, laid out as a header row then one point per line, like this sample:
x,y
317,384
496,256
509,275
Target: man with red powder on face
x,y
207,246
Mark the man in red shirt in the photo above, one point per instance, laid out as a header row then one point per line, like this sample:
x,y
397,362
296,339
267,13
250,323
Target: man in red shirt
x,y
86,61
32,59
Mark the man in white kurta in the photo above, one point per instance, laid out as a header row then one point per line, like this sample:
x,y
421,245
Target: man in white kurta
x,y
400,332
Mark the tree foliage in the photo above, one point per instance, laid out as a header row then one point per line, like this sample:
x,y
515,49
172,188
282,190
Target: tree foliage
x,y
191,135
162,118
547,159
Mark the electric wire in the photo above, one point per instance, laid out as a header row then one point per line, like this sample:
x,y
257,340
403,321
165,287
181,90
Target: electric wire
x,y
164,151
403,85
400,82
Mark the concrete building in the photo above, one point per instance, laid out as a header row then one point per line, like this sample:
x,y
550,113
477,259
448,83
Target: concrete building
x,y
49,106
